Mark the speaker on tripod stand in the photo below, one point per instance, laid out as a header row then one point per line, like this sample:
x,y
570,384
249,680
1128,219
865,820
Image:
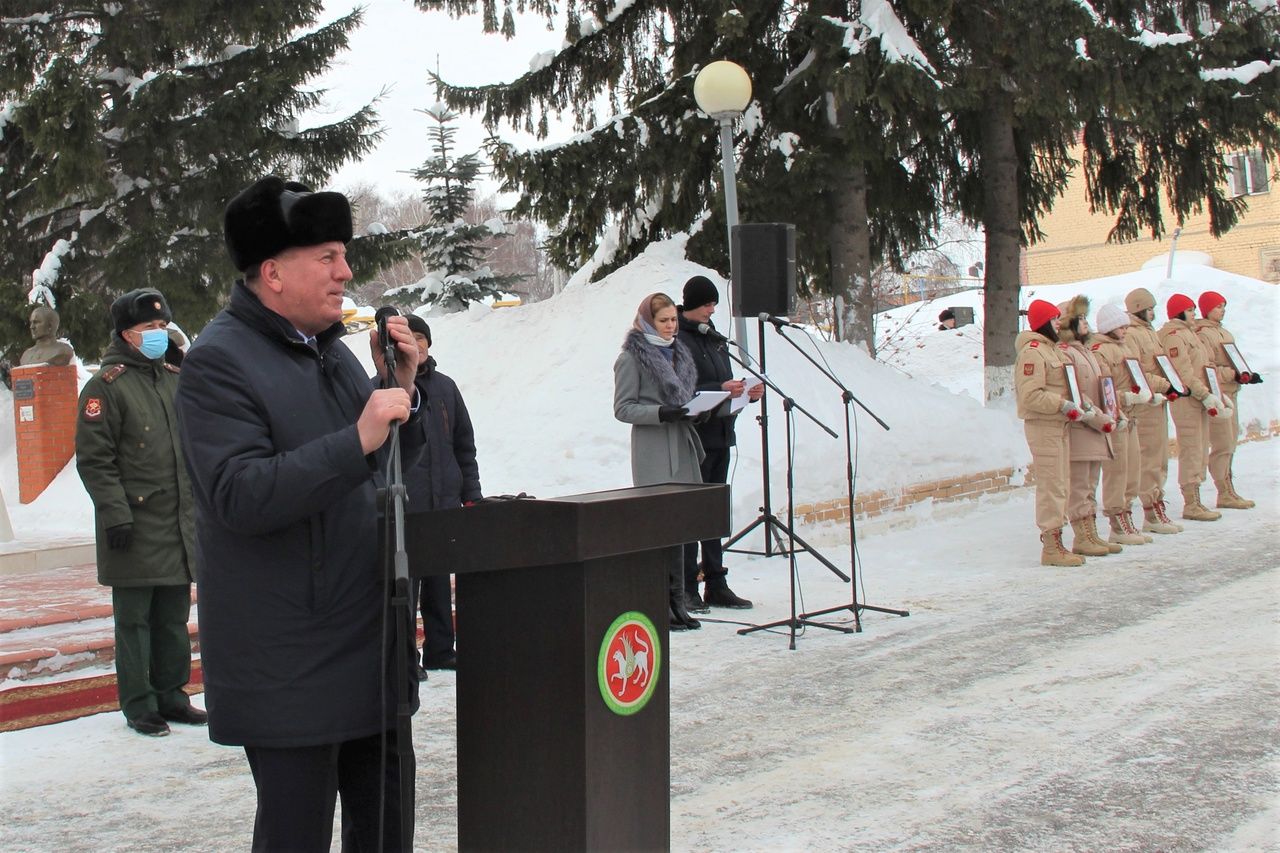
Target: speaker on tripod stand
x,y
763,281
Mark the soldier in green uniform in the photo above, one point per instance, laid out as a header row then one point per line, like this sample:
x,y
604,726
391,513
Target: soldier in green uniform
x,y
129,456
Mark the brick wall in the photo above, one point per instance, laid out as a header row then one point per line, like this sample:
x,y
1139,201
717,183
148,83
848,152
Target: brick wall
x,y
44,420
1075,248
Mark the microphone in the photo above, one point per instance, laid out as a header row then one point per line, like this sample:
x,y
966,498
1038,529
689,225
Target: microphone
x,y
779,321
384,337
704,329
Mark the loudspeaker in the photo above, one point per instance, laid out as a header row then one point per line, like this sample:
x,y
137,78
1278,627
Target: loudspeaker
x,y
763,268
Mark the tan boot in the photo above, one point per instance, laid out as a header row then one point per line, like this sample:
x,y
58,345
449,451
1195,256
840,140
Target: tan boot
x,y
1130,527
1154,523
1091,525
1192,509
1120,534
1083,543
1228,499
1054,553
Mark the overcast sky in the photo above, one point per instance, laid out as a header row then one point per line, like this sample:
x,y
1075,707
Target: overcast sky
x,y
394,49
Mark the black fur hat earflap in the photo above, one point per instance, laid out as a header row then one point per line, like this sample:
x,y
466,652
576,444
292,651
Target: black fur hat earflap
x,y
273,215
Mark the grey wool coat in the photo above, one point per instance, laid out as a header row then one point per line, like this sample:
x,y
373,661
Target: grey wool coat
x,y
643,381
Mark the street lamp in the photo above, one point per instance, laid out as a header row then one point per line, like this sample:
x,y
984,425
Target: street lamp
x,y
723,90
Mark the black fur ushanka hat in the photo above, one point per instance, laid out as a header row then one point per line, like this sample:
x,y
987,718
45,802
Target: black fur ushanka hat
x,y
273,215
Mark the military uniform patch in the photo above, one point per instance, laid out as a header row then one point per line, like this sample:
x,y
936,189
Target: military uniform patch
x,y
1035,343
1096,347
112,373
1028,369
93,409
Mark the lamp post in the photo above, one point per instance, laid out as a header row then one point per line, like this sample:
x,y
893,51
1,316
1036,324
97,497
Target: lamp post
x,y
723,90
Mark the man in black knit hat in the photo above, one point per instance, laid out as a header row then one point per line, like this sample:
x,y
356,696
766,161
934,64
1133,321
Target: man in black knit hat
x,y
715,373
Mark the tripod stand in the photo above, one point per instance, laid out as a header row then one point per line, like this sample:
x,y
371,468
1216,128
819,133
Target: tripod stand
x,y
772,524
847,397
793,621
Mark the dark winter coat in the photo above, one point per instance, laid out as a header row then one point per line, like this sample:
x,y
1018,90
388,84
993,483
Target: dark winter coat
x,y
711,358
291,599
446,474
129,456
643,382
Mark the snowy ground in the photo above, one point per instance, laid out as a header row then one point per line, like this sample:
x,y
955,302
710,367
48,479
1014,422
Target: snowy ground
x,y
1133,704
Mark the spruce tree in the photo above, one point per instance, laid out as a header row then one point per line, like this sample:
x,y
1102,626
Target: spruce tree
x,y
126,127
839,138
450,247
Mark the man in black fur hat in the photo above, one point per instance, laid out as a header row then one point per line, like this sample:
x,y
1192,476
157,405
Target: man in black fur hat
x,y
283,434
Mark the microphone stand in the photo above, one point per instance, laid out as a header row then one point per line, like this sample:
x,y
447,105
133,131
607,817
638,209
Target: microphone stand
x,y
847,396
771,522
400,609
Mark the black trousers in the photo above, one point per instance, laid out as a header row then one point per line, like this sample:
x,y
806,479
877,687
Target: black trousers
x,y
715,469
153,648
436,601
298,788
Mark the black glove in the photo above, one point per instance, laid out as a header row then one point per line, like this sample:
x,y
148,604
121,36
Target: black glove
x,y
120,537
671,414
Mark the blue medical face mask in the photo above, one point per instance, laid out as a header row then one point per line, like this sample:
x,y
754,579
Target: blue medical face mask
x,y
154,342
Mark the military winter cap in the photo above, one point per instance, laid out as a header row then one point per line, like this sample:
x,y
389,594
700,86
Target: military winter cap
x,y
273,215
1139,300
139,306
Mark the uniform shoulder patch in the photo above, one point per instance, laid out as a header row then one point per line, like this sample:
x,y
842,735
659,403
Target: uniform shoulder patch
x,y
1096,347
1063,346
1028,369
112,373
1034,344
92,409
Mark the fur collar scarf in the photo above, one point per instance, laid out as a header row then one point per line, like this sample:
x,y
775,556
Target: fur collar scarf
x,y
676,379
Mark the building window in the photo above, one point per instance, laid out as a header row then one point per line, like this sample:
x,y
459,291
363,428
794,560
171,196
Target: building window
x,y
1248,173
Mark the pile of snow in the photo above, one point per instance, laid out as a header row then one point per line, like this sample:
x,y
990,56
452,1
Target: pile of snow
x,y
538,380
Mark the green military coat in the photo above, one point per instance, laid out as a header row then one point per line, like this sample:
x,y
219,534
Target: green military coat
x,y
130,458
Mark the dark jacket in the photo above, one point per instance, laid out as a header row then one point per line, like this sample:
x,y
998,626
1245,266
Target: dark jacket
x,y
292,598
446,474
130,458
711,358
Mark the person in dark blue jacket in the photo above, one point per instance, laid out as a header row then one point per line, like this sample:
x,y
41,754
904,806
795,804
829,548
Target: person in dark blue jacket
x,y
284,436
446,476
715,373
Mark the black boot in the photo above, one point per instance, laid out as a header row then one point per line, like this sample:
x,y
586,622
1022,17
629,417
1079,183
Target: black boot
x,y
718,594
676,623
679,613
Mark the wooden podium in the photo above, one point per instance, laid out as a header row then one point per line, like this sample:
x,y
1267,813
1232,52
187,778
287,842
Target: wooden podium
x,y
563,729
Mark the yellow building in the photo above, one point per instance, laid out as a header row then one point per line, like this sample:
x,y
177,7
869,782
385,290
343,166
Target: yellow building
x,y
1075,245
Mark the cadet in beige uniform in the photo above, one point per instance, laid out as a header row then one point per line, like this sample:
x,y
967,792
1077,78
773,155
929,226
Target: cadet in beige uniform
x,y
1088,443
1120,474
1191,414
1041,388
1152,423
1224,431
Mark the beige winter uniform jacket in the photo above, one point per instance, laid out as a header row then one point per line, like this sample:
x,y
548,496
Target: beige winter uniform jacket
x,y
1039,381
1087,443
1111,354
1213,335
1143,344
1190,355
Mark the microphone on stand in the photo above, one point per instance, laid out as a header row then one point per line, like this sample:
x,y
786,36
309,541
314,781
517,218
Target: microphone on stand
x,y
705,329
384,337
779,321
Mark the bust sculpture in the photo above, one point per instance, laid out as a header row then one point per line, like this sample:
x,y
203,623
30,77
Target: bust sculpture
x,y
47,349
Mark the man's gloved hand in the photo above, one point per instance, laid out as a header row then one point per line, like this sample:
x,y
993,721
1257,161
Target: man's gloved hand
x,y
671,414
1071,410
120,537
